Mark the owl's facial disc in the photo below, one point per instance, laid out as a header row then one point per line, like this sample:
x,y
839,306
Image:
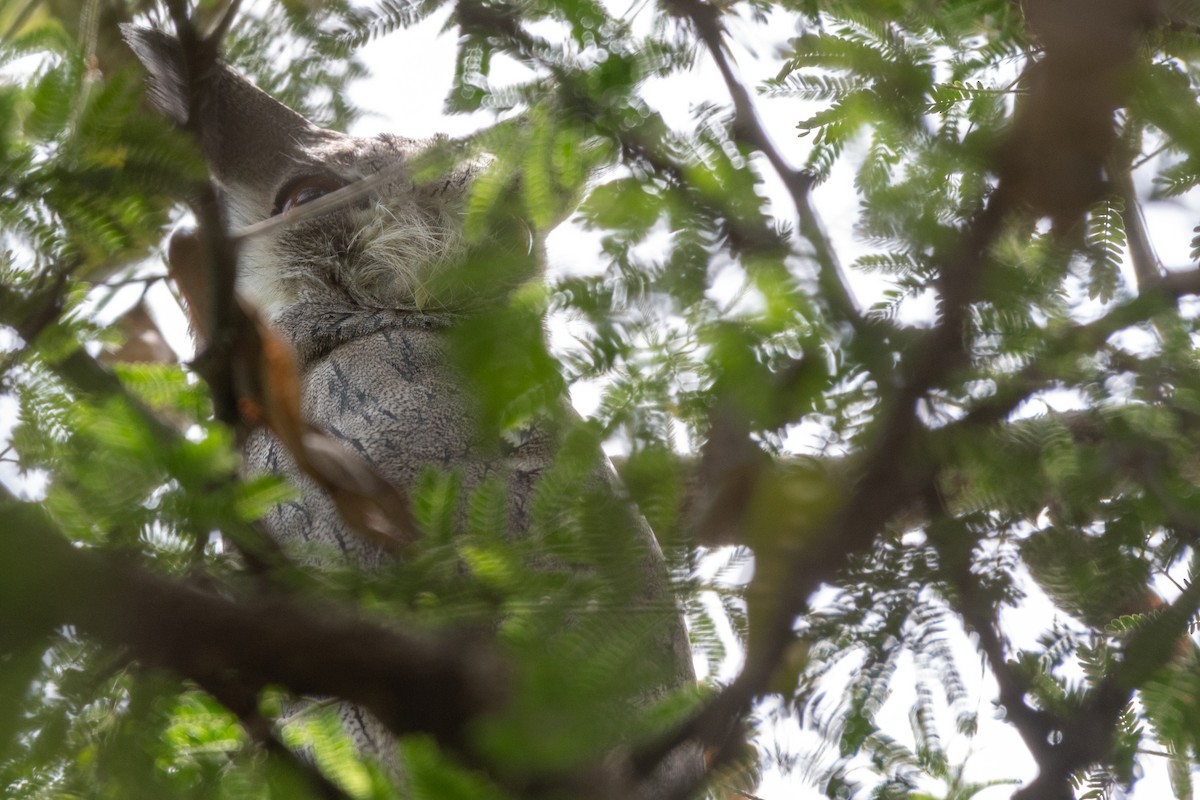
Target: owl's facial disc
x,y
392,249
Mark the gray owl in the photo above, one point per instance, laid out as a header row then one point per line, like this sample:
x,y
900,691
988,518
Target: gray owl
x,y
368,296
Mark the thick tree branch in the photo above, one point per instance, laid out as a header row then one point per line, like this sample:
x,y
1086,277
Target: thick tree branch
x,y
413,682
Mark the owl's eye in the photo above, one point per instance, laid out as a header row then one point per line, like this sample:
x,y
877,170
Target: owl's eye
x,y
305,190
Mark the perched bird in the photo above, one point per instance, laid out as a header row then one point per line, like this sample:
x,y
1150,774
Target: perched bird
x,y
368,294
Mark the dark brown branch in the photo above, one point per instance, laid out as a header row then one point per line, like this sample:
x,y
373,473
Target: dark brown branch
x,y
220,27
1060,745
979,615
894,471
1087,737
1063,744
894,465
225,324
260,730
413,682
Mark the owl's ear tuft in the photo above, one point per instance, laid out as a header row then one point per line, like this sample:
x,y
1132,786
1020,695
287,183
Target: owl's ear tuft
x,y
162,55
247,136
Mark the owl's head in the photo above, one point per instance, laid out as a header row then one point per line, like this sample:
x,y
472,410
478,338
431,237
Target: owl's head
x,y
400,246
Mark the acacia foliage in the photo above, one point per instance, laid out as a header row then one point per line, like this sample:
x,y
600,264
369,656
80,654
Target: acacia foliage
x,y
1005,158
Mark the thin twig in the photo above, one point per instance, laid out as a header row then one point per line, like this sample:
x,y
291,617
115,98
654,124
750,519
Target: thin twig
x,y
326,204
148,280
1146,266
1154,298
1146,159
748,128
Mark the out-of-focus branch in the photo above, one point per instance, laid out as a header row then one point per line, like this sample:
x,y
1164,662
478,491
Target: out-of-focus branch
x,y
716,511
893,471
412,681
979,614
261,731
87,376
1155,297
32,314
1087,736
643,144
1061,743
225,324
1050,165
79,369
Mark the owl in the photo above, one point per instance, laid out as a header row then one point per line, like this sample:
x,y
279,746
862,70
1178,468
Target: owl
x,y
369,296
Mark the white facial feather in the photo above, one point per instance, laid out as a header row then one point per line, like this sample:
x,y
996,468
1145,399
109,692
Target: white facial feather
x,y
403,247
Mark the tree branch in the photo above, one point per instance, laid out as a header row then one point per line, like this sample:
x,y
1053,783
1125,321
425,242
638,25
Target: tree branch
x,y
895,466
413,682
1146,266
1087,736
748,129
893,471
1157,296
955,546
